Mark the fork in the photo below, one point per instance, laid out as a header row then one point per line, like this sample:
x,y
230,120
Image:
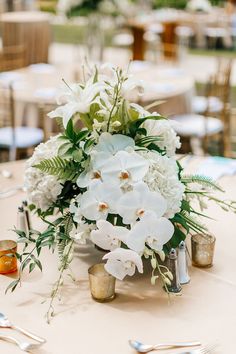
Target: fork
x,y
25,346
209,349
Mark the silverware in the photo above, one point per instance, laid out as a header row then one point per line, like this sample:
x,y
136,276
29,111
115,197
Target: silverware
x,y
209,349
5,323
25,346
145,348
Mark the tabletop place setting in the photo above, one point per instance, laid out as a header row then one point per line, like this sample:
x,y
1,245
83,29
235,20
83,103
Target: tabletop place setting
x,y
117,176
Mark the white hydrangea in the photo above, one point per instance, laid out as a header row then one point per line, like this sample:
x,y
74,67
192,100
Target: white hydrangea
x,y
42,189
162,176
163,128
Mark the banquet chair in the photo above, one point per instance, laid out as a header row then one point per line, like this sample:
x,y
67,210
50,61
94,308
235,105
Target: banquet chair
x,y
12,58
220,89
200,130
13,138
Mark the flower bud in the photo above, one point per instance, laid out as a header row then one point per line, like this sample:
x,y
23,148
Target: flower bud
x,y
154,263
162,255
153,279
169,275
166,281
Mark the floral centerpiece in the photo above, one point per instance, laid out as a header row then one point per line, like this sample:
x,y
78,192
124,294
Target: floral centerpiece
x,y
115,182
72,8
199,6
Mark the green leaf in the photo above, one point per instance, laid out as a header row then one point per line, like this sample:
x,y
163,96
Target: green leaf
x,y
31,267
25,263
204,181
66,170
12,286
69,132
37,262
185,205
177,237
63,149
134,126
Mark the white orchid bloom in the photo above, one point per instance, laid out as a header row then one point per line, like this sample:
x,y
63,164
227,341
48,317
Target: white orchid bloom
x,y
122,262
79,99
107,236
82,232
94,170
136,203
99,201
114,143
124,168
156,232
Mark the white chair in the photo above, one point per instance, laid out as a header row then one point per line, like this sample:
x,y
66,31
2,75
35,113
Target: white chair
x,y
217,94
198,130
200,104
184,35
216,33
12,137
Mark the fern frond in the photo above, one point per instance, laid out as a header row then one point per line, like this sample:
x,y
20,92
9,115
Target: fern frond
x,y
64,169
64,242
202,180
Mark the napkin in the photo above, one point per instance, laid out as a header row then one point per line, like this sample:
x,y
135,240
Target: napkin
x,y
216,167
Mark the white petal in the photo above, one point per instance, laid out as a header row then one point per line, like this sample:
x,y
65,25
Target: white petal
x,y
114,143
164,230
116,268
137,237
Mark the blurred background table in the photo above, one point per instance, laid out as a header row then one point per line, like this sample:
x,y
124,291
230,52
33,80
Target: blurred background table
x,y
28,29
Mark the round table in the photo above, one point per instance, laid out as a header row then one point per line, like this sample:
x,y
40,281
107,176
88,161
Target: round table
x,y
30,29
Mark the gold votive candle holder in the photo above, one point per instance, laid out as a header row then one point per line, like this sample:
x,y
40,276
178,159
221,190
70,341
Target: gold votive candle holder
x,y
102,284
203,247
8,260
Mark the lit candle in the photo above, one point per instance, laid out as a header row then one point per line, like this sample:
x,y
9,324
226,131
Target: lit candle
x,y
102,284
202,250
8,260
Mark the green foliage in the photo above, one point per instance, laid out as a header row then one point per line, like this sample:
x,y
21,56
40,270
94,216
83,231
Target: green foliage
x,y
134,127
178,4
204,181
64,169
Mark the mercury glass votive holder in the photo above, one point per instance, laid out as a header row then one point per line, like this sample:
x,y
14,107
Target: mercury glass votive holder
x,y
102,284
203,247
8,260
